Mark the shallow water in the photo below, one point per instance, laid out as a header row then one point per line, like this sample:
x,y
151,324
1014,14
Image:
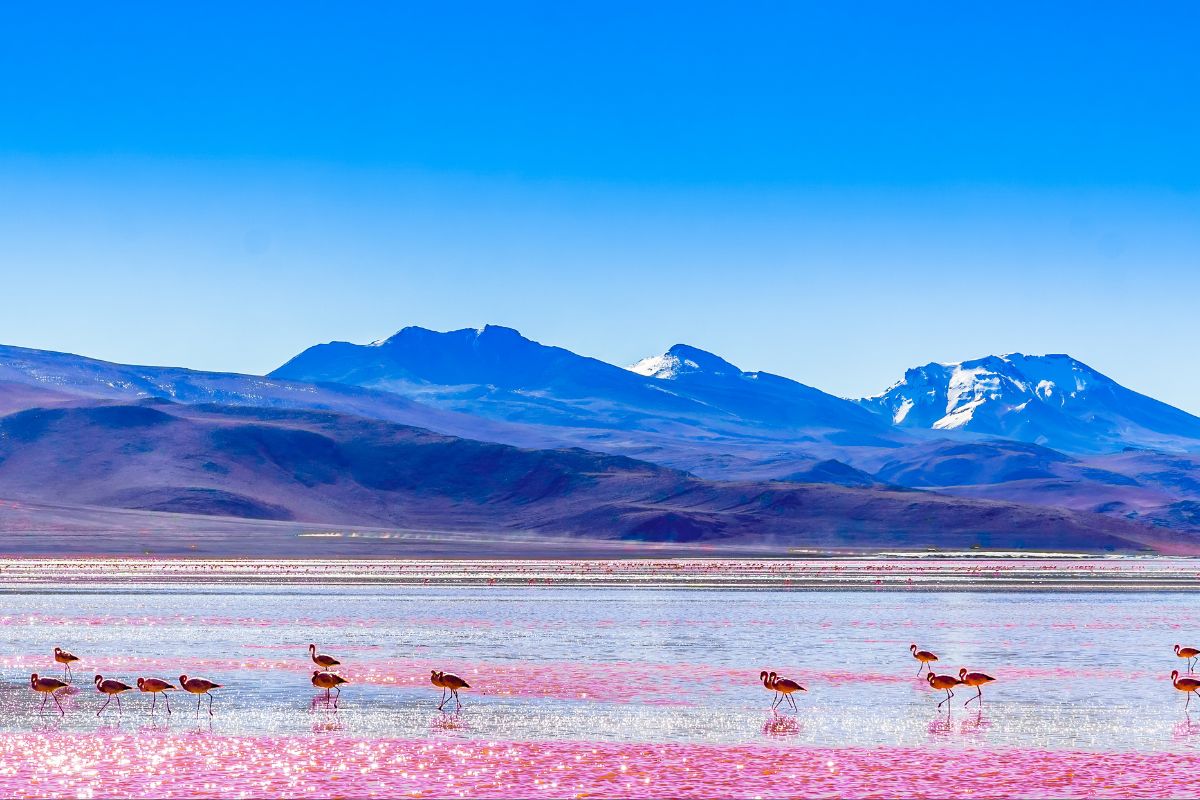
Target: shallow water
x,y
1074,671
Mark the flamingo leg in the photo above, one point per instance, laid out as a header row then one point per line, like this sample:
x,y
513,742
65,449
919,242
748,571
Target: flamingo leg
x,y
336,696
778,700
119,709
198,699
457,699
209,704
978,696
106,702
792,700
43,705
60,708
167,700
1189,699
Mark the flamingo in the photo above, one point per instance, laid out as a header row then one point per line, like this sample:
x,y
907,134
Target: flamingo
x,y
65,658
327,681
785,687
435,678
155,686
1190,653
199,687
924,656
111,688
321,660
453,683
976,679
767,684
945,683
1189,685
47,686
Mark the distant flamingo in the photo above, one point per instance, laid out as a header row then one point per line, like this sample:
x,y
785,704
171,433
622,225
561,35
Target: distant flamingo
x,y
976,679
199,687
327,681
943,683
111,688
155,686
924,656
47,686
322,660
785,687
1190,653
453,683
1189,685
65,658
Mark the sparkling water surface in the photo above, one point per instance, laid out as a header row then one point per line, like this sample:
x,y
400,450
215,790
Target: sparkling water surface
x,y
1080,676
1086,670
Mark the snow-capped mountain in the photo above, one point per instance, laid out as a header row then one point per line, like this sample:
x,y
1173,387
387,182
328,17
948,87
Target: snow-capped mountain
x,y
1052,400
759,396
683,360
498,373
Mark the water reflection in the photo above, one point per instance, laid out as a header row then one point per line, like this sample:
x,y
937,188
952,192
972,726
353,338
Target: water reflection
x,y
1186,729
942,725
449,721
782,725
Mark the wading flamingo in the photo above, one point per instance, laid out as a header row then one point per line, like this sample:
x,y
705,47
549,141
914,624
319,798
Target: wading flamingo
x,y
435,678
767,683
1190,653
321,660
976,679
155,686
65,658
47,686
199,687
453,683
924,656
327,681
1189,685
111,688
785,687
943,683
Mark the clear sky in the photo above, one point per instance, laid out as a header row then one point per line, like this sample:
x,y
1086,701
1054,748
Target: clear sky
x,y
832,192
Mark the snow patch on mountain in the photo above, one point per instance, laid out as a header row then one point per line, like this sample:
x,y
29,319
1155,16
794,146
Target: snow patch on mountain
x,y
1052,399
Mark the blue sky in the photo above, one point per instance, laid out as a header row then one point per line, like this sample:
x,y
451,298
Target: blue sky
x,y
833,194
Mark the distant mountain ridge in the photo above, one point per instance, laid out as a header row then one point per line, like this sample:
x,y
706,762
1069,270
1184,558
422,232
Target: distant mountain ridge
x,y
329,468
1044,432
1052,400
496,372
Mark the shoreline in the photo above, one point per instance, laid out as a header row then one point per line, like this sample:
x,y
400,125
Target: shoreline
x,y
976,573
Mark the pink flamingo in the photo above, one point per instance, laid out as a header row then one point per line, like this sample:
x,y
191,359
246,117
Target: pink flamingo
x,y
47,686
111,688
199,687
155,686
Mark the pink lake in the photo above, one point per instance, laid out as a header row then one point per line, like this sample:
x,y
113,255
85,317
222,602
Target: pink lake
x,y
570,683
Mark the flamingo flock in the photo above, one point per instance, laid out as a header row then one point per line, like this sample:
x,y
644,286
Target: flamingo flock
x,y
326,677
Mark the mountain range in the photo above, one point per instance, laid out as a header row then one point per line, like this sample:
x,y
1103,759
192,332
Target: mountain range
x,y
485,431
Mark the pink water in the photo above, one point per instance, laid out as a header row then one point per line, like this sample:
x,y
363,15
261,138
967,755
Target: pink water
x,y
569,684
191,765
